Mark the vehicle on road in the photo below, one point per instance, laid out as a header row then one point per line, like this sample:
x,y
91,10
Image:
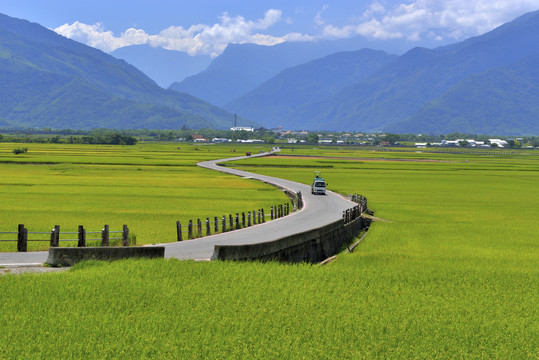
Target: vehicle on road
x,y
318,186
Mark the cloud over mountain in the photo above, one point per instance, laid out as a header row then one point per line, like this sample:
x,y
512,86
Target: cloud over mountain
x,y
420,19
414,21
194,40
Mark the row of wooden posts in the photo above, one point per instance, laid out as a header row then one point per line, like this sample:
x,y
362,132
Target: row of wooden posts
x,y
231,222
355,212
360,199
351,214
23,236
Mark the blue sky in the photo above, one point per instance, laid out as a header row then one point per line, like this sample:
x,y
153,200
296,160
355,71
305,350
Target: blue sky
x,y
207,26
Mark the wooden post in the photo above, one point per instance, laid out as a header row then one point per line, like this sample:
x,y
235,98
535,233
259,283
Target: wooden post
x,y
237,221
216,225
190,229
125,236
254,218
199,228
105,236
272,213
263,216
249,218
230,222
243,219
55,236
208,227
82,237
259,221
179,230
223,223
22,242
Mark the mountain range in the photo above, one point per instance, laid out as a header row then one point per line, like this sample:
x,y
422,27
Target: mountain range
x,y
243,67
47,80
486,84
306,84
162,66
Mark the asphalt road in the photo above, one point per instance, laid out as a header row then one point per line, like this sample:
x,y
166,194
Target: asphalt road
x,y
318,210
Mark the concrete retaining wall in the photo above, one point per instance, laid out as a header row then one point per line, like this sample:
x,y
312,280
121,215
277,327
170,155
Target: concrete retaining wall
x,y
70,256
312,246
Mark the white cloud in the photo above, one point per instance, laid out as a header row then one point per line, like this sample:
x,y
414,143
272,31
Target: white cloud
x,y
92,35
413,20
434,19
197,39
318,19
374,8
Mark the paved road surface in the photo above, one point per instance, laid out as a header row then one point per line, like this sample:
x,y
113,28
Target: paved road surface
x,y
318,211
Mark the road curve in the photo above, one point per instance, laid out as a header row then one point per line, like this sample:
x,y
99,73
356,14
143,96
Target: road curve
x,y
318,211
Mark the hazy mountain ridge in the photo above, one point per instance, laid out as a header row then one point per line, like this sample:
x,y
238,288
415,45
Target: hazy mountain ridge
x,y
163,66
276,98
48,80
243,67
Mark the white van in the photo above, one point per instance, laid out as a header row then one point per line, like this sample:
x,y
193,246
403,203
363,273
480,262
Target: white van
x,y
319,186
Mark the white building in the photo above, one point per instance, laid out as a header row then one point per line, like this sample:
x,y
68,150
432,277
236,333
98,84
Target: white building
x,y
243,128
249,141
501,143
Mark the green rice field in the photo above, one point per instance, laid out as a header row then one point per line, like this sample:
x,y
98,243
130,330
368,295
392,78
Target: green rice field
x,y
147,187
451,272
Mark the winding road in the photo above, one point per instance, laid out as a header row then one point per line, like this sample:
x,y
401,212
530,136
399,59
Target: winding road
x,y
317,211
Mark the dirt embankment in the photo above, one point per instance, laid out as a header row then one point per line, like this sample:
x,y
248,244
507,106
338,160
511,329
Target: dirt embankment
x,y
354,158
14,269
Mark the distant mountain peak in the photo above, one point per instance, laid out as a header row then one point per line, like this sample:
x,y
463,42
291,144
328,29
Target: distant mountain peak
x,y
50,81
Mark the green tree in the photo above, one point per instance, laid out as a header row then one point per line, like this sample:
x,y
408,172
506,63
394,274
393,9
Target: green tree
x,y
392,138
313,138
514,144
